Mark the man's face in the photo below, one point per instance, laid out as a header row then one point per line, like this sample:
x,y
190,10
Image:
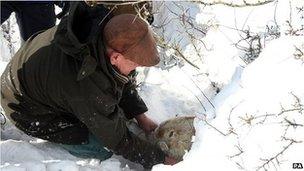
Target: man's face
x,y
124,65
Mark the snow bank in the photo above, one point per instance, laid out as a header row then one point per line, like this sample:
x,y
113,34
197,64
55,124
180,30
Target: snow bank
x,y
259,121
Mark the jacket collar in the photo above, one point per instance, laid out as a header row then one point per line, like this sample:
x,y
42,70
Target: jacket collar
x,y
119,77
77,36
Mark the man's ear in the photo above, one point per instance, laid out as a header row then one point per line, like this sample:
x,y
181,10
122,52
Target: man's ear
x,y
114,57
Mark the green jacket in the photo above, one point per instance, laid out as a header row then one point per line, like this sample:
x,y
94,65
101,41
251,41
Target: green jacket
x,y
60,86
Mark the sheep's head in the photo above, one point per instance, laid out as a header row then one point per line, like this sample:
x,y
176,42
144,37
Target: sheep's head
x,y
174,136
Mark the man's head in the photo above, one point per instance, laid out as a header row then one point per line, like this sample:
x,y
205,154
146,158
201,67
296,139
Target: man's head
x,y
130,43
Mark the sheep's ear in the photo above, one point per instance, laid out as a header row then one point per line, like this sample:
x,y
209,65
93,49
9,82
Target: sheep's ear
x,y
163,146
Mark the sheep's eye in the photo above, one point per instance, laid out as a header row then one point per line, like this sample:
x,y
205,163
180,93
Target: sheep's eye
x,y
171,134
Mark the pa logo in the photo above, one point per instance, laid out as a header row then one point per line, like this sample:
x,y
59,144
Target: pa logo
x,y
297,165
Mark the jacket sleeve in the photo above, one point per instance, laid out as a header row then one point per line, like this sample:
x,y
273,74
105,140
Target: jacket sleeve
x,y
106,120
131,103
133,148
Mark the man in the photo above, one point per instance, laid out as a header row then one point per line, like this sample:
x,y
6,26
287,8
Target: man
x,y
31,16
72,85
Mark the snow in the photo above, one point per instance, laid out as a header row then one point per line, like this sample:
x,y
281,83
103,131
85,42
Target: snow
x,y
163,91
255,121
262,88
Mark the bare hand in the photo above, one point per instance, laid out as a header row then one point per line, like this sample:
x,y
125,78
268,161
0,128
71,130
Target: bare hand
x,y
146,123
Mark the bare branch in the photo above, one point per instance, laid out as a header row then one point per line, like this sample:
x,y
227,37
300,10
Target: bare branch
x,y
292,123
244,4
176,48
196,98
96,2
275,157
299,54
241,151
200,90
216,129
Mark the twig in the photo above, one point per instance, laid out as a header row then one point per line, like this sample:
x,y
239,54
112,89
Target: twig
x,y
293,123
222,133
299,54
131,2
200,90
196,98
245,3
275,157
241,151
177,50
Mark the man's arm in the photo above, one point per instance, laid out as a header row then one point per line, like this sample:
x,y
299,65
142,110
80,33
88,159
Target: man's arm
x,y
107,122
146,123
131,103
133,148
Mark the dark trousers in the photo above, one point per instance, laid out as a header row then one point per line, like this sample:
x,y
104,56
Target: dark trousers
x,y
31,16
